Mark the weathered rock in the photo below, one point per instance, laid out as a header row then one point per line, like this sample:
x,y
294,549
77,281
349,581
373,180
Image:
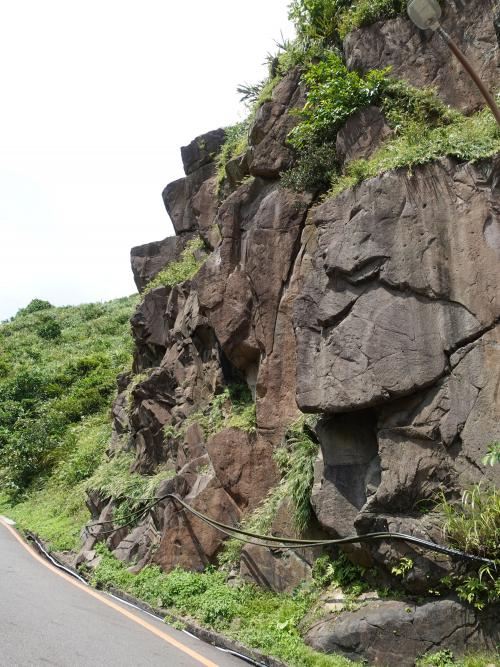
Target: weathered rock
x,y
202,150
189,542
245,290
394,288
149,259
390,632
269,155
422,57
179,199
362,134
243,465
280,571
346,474
192,447
188,374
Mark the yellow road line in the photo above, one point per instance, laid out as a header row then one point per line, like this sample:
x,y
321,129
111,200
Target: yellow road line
x,y
124,612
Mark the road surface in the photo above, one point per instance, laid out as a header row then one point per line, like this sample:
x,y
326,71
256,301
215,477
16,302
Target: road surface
x,y
49,618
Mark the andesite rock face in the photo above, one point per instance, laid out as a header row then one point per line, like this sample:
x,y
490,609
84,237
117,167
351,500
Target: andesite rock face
x,y
378,310
422,58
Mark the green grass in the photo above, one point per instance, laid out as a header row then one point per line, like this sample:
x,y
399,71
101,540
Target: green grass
x,y
232,408
445,658
257,618
130,490
236,143
466,138
185,268
365,12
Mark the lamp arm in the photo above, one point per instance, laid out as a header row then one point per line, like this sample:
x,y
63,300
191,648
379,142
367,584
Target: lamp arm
x,y
490,100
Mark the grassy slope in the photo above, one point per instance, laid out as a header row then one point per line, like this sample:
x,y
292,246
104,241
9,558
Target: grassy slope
x,y
61,386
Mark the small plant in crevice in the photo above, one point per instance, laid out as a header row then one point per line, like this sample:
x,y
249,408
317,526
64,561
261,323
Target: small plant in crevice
x,y
402,568
232,408
235,144
130,490
340,573
185,268
493,455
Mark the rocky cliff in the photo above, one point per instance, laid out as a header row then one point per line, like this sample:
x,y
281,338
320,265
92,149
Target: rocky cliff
x,y
376,310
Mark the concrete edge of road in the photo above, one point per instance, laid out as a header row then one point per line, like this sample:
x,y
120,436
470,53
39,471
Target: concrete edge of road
x,y
220,641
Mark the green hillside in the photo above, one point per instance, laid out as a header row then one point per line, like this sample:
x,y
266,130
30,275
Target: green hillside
x,y
58,369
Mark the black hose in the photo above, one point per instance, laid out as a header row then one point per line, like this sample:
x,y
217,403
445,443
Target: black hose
x,y
272,541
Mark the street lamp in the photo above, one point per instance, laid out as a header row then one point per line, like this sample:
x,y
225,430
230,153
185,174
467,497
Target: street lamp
x,y
425,14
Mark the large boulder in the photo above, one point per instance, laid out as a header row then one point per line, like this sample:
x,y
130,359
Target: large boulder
x,y
395,287
397,632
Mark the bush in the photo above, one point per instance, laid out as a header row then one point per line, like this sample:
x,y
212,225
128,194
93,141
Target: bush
x,y
34,306
333,94
48,328
366,12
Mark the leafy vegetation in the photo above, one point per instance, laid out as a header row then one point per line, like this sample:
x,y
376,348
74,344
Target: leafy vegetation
x,y
493,455
295,460
232,408
183,269
445,658
130,490
467,138
246,613
54,508
236,141
332,20
473,525
333,94
59,366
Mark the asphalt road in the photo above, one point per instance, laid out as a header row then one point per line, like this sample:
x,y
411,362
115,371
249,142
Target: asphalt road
x,y
48,618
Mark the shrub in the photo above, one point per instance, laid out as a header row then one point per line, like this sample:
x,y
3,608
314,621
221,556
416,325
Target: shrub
x,y
366,12
54,382
317,18
178,271
473,526
49,328
333,94
34,306
236,141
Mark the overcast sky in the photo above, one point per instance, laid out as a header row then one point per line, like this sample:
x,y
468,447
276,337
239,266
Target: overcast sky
x,y
97,98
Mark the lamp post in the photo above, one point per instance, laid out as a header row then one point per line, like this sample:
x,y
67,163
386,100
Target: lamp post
x,y
425,14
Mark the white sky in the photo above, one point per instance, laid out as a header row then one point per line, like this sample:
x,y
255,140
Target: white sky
x,y
96,99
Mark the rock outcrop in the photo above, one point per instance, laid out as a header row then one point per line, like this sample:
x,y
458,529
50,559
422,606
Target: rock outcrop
x,y
377,309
